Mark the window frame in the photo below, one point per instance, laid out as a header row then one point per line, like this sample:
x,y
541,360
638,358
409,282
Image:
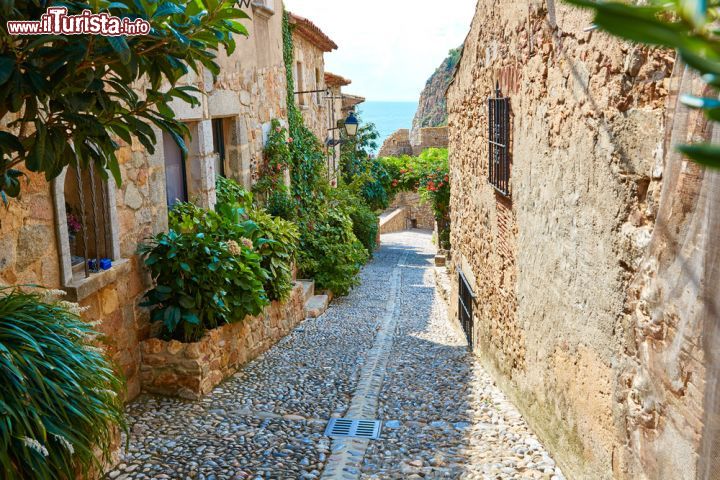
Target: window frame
x,y
499,157
183,171
68,280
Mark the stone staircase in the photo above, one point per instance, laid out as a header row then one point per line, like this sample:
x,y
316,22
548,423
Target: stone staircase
x,y
315,305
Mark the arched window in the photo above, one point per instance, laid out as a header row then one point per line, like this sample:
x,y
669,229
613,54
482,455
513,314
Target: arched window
x,y
85,223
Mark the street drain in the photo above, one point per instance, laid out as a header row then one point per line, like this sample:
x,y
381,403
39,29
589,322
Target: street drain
x,y
346,427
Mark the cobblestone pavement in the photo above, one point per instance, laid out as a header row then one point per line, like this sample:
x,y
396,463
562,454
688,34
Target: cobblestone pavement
x,y
391,340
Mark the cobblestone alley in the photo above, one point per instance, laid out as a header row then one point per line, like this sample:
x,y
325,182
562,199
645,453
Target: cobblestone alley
x,y
387,352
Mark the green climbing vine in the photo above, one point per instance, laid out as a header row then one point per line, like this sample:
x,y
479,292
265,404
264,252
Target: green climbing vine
x,y
307,160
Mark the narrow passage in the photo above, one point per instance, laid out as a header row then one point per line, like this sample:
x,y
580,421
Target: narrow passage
x,y
387,351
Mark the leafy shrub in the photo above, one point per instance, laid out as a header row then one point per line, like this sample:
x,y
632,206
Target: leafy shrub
x,y
279,204
330,252
365,221
277,241
59,398
274,238
365,226
429,175
229,192
204,279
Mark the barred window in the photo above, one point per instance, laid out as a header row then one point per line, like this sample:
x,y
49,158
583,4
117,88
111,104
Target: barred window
x,y
466,297
86,224
499,142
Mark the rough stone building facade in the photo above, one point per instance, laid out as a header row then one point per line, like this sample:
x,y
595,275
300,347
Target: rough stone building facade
x,y
41,243
417,214
428,137
396,144
401,142
583,275
309,74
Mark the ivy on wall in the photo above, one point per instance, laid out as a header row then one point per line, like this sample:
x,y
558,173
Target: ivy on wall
x,y
306,155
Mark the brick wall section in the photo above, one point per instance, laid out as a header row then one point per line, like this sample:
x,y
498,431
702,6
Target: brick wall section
x,y
553,268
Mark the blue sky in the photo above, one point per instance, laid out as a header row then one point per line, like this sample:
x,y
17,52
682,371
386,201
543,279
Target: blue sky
x,y
388,48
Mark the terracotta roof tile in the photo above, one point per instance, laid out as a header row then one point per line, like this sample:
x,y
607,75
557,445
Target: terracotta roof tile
x,y
312,33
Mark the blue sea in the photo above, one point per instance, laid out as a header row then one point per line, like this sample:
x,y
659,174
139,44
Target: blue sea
x,y
387,116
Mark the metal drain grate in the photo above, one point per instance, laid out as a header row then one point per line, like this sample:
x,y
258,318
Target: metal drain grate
x,y
346,427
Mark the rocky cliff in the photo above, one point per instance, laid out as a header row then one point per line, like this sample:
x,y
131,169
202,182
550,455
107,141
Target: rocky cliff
x,y
432,108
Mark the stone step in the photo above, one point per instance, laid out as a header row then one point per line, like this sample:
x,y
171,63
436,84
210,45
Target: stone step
x,y
316,306
308,289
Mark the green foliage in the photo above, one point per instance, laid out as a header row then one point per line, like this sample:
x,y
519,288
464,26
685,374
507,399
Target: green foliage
x,y
274,238
277,160
330,252
364,220
204,279
229,192
59,400
277,241
363,173
428,174
71,96
687,26
279,204
307,159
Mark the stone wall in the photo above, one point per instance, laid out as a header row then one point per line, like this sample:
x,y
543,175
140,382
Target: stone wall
x,y
191,370
420,214
393,221
561,311
396,144
313,106
429,137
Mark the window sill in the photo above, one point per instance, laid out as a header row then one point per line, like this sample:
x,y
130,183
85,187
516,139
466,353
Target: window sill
x,y
80,289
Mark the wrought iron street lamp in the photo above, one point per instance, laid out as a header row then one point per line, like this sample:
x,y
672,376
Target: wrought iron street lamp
x,y
351,125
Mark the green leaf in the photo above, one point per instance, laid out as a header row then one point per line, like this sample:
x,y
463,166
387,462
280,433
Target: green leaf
x,y
7,65
702,153
120,45
168,8
10,143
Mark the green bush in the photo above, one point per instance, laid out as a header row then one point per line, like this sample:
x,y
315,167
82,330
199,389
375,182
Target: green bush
x,y
279,204
204,279
365,226
330,252
229,192
59,399
429,175
277,241
274,238
365,222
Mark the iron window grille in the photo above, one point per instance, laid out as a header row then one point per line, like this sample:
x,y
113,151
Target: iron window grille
x,y
466,297
499,142
88,223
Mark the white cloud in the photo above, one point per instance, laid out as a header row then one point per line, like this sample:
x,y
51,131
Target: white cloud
x,y
388,48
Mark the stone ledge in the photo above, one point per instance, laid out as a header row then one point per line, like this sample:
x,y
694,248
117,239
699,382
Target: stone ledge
x,y
192,370
394,221
79,290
